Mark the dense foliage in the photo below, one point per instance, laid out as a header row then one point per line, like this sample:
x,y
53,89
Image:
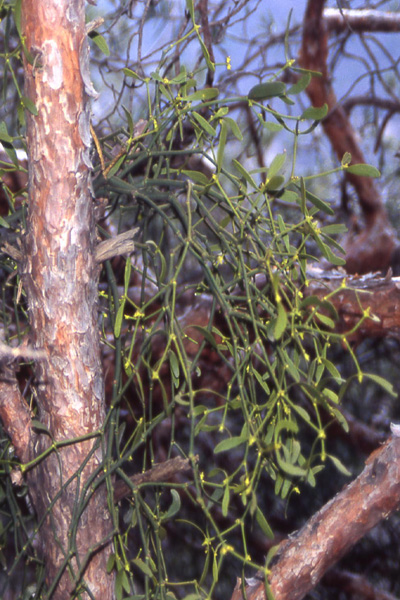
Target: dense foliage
x,y
213,349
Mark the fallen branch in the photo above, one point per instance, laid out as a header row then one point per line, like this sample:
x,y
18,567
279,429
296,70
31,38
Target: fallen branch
x,y
305,557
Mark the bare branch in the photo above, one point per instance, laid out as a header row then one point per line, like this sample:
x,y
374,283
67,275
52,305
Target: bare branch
x,y
120,244
361,20
303,559
26,352
160,472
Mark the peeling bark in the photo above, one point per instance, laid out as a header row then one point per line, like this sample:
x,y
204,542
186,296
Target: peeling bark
x,y
60,276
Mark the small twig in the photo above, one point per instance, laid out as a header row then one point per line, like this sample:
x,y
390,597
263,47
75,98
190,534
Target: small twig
x,y
95,24
121,244
26,352
12,251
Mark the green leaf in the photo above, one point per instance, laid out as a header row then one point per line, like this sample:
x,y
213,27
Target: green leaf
x,y
270,89
334,229
281,322
196,176
339,465
127,275
225,501
179,79
363,170
327,252
302,412
190,7
234,128
100,42
156,76
4,135
110,563
204,95
274,184
346,160
327,321
300,85
340,418
221,146
315,113
320,204
130,73
129,121
331,395
386,385
4,223
276,164
140,564
289,468
206,54
263,523
204,124
175,506
40,427
208,336
273,127
261,381
285,424
229,443
11,153
29,105
125,581
289,196
245,173
17,16
331,368
291,367
119,318
174,364
115,168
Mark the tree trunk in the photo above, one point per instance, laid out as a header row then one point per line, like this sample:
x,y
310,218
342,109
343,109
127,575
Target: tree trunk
x,y
60,277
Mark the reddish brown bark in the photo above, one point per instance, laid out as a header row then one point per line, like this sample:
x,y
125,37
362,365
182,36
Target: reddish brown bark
x,y
15,414
361,20
60,277
303,559
371,247
367,306
355,586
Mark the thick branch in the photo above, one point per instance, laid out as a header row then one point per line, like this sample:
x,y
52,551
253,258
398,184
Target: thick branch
x,y
377,297
314,54
373,248
60,277
361,20
304,558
